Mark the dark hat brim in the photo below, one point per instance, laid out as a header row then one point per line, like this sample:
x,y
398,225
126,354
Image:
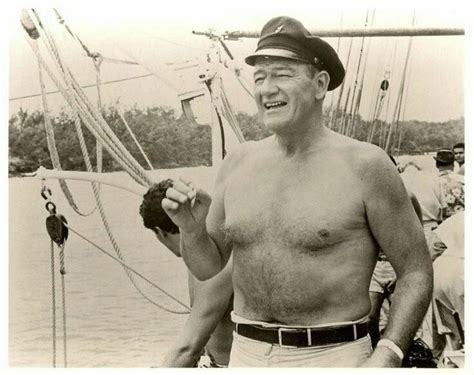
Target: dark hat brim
x,y
327,56
275,52
444,160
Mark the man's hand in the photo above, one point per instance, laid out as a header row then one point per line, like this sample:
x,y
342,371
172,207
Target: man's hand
x,y
180,357
154,217
382,357
186,205
391,285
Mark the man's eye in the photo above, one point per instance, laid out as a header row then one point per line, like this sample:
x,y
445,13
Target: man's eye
x,y
258,79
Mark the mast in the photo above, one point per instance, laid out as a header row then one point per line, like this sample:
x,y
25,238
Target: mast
x,y
360,32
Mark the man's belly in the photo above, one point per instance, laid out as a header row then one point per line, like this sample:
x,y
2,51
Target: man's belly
x,y
294,287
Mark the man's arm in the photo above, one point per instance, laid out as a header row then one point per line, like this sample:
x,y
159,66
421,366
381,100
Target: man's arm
x,y
416,206
397,230
203,245
442,200
211,301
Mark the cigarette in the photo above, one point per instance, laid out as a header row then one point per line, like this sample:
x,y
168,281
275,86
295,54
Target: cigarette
x,y
193,201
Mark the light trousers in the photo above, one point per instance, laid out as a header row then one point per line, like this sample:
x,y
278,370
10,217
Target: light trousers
x,y
251,353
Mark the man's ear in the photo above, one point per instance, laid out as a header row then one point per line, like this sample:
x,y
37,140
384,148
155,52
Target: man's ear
x,y
321,80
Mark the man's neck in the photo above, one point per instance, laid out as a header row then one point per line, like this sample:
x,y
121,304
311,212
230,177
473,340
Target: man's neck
x,y
303,138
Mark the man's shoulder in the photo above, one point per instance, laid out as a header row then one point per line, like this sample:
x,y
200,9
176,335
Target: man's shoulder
x,y
361,154
244,150
371,165
239,155
369,153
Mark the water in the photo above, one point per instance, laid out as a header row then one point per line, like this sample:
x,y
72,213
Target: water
x,y
108,323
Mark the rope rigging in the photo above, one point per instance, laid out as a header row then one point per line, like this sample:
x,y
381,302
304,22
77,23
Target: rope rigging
x,y
331,111
53,301
341,91
376,90
84,86
360,91
400,133
58,232
398,104
85,112
350,119
382,131
88,113
51,143
58,229
127,126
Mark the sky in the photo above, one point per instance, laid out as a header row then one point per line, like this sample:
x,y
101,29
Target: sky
x,y
155,36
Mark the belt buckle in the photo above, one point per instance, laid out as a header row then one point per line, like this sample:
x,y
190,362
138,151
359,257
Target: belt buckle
x,y
354,331
283,329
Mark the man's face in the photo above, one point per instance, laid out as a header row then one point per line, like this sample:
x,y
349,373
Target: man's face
x,y
284,92
459,155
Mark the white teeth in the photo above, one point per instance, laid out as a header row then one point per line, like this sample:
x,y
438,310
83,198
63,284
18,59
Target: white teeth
x,y
274,104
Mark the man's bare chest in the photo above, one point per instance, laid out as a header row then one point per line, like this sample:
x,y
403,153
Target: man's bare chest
x,y
296,207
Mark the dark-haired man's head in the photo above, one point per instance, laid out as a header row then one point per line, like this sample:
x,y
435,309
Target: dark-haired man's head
x,y
444,159
458,150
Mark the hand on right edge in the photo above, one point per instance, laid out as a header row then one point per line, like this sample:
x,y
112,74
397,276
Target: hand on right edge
x,y
187,206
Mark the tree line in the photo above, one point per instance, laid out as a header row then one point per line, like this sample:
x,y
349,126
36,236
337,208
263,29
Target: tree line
x,y
171,142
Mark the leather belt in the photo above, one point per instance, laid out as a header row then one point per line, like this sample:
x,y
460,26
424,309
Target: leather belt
x,y
302,337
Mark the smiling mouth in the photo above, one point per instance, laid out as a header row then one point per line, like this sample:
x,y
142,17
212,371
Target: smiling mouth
x,y
274,105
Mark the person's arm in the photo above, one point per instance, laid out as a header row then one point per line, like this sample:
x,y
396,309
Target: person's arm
x,y
442,201
397,230
436,247
211,301
203,244
416,206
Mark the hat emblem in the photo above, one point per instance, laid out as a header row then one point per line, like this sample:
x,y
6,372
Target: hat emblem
x,y
278,29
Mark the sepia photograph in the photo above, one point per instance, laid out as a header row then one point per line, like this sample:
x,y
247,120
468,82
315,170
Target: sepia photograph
x,y
215,185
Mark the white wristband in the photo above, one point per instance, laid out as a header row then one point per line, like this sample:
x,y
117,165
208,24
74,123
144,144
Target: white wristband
x,y
392,346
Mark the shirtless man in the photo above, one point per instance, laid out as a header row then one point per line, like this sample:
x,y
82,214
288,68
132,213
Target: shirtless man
x,y
207,334
303,214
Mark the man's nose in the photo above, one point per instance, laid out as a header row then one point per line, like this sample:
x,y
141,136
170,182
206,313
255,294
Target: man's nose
x,y
268,87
